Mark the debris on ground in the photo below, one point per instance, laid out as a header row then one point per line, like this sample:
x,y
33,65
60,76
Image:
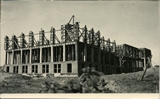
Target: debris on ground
x,y
90,81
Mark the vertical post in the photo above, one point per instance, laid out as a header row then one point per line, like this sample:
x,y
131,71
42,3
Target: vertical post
x,y
76,50
63,33
41,37
52,35
21,56
92,33
99,54
64,52
30,56
56,48
76,34
120,63
85,41
6,58
51,53
12,57
31,39
109,58
72,46
60,55
85,52
92,42
73,19
68,53
92,54
40,55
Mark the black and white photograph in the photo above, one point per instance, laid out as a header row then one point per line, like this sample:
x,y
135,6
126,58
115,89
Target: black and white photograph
x,y
83,47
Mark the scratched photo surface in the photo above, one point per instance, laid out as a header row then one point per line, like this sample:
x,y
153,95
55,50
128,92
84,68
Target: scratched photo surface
x,y
79,47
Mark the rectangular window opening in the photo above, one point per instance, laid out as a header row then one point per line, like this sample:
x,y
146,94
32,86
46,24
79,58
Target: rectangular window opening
x,y
25,56
69,68
35,55
15,69
24,69
57,68
45,68
7,69
46,54
34,68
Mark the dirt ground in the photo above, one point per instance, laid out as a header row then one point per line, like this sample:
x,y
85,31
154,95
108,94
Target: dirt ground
x,y
118,83
131,82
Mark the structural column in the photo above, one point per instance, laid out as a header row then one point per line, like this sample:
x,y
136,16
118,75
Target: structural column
x,y
51,53
85,53
64,52
20,69
92,54
99,55
144,59
144,63
76,50
11,67
6,58
30,56
12,57
40,55
21,56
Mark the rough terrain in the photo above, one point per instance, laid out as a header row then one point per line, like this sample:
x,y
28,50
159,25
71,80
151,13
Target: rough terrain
x,y
115,83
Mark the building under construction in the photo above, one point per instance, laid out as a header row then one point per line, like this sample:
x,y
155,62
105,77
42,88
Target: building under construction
x,y
77,48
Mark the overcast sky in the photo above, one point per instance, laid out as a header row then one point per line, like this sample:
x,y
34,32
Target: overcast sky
x,y
132,22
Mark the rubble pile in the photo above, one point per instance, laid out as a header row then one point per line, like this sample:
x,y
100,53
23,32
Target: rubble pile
x,y
89,82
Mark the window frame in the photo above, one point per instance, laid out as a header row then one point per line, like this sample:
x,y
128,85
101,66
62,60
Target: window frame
x,y
15,69
45,68
34,68
57,68
25,69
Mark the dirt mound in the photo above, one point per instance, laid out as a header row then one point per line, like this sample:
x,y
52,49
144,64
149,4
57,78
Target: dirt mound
x,y
131,82
4,75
